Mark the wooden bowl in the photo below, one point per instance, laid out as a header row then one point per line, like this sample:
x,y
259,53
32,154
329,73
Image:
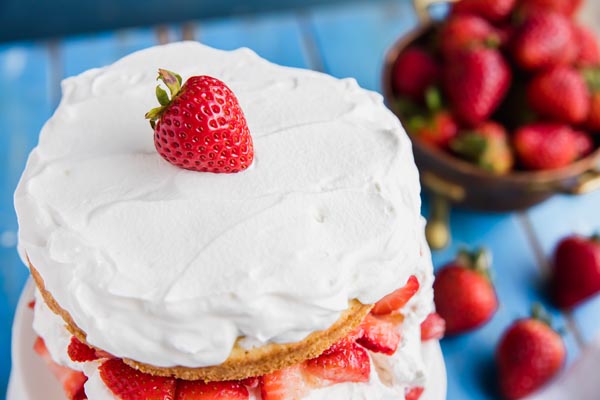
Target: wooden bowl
x,y
451,179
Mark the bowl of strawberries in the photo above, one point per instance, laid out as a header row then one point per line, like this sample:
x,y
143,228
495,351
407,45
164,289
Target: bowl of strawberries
x,y
501,99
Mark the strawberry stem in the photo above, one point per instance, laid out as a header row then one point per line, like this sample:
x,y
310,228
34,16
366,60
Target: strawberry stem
x,y
479,260
433,99
596,237
541,314
173,82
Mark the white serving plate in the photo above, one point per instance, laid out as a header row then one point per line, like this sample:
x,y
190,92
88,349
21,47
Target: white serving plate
x,y
31,380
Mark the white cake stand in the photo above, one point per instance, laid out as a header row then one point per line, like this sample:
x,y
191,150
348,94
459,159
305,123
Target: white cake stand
x,y
31,380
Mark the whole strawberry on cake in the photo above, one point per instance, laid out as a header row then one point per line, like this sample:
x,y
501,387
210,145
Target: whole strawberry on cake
x,y
260,239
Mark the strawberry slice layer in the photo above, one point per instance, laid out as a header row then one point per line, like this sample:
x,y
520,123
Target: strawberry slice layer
x,y
72,381
80,352
198,390
433,327
397,299
285,384
129,384
345,361
378,335
414,393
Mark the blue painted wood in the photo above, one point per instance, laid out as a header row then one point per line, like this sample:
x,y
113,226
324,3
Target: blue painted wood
x,y
21,19
559,217
92,51
517,279
353,40
276,37
24,106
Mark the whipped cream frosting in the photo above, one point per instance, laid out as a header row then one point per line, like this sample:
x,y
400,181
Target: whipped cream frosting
x,y
390,375
170,267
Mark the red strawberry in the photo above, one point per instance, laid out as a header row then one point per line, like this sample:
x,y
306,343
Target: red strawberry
x,y
345,361
80,352
198,390
576,272
202,126
31,304
487,145
72,381
589,52
583,142
545,39
475,82
543,146
528,355
129,384
414,71
593,118
565,7
559,94
251,382
492,10
397,299
463,293
414,393
436,130
378,335
285,384
464,32
433,327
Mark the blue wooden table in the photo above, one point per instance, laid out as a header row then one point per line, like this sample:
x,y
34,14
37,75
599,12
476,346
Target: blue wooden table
x,y
345,41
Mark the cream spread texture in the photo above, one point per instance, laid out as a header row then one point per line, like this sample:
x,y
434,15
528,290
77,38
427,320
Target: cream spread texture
x,y
170,267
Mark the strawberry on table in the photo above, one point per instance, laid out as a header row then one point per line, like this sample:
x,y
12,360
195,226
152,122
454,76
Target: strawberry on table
x,y
130,384
397,299
543,146
378,335
72,381
464,32
415,70
288,383
559,94
464,295
199,390
486,145
545,39
576,271
345,361
201,127
475,82
492,10
529,354
434,327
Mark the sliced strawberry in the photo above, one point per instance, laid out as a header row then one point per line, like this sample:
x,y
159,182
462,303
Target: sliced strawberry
x,y
397,299
198,390
379,335
414,393
80,352
72,381
251,382
345,361
433,327
285,384
129,384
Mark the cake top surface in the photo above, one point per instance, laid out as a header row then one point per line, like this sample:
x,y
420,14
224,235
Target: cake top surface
x,y
170,267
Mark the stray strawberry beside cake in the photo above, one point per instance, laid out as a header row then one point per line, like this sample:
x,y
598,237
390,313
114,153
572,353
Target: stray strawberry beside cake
x,y
261,240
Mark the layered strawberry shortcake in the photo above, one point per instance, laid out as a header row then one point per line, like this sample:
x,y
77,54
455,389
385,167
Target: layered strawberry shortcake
x,y
260,239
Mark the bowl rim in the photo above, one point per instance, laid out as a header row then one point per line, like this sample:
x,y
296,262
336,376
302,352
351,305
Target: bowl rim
x,y
591,162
